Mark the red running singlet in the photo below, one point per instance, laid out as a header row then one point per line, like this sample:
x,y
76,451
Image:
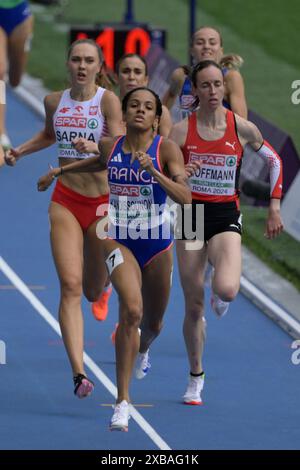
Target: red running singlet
x,y
217,179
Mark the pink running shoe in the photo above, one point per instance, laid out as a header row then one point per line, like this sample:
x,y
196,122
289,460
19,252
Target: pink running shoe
x,y
83,386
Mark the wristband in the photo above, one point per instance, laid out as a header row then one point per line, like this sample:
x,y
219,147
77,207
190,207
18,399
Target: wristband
x,y
58,174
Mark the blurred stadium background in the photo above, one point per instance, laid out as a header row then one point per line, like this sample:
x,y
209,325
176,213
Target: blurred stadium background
x,y
264,32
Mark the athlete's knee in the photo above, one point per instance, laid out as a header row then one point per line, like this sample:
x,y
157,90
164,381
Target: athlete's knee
x,y
132,313
91,293
154,327
227,291
71,287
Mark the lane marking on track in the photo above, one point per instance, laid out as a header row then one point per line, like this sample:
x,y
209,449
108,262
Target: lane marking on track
x,y
11,287
106,382
270,308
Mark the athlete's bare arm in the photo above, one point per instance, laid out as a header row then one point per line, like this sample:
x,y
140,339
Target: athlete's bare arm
x,y
176,84
179,132
111,110
236,93
88,165
250,134
42,139
165,123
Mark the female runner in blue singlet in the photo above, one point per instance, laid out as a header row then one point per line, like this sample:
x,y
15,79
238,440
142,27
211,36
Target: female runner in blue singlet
x,y
142,171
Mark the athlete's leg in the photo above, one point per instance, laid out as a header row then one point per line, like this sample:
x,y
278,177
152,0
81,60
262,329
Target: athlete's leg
x,y
1,156
192,265
94,270
156,283
18,50
126,279
224,253
67,249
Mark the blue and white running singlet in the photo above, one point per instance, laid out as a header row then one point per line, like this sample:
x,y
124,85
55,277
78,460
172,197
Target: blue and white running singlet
x,y
138,215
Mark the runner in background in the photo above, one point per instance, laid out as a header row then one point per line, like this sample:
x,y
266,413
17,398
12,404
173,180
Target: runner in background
x,y
81,114
215,138
132,72
16,26
207,44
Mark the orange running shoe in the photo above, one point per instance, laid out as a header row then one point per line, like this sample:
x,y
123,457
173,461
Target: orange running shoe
x,y
113,335
100,308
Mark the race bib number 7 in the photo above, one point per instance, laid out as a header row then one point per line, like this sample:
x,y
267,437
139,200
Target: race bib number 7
x,y
114,259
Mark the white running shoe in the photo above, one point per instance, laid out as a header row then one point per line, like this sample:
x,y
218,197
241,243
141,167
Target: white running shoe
x,y
119,420
142,365
192,395
219,306
5,142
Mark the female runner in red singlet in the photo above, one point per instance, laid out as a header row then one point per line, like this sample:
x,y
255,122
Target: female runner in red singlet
x,y
215,138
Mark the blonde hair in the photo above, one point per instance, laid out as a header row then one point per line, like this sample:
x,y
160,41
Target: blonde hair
x,y
231,61
106,78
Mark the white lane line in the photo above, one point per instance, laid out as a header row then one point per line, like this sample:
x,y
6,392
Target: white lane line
x,y
268,306
30,100
108,384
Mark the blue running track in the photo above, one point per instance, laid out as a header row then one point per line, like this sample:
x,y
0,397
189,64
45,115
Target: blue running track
x,y
251,395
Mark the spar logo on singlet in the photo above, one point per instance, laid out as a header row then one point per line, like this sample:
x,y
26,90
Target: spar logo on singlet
x,y
130,204
125,190
130,190
216,175
78,122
